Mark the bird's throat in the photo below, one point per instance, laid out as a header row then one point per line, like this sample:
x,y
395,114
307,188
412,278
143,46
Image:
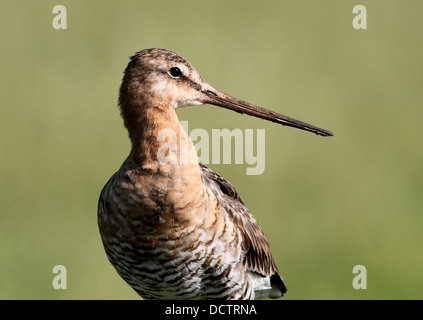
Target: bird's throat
x,y
159,141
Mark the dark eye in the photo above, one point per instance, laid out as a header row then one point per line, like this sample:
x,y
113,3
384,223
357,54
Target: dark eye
x,y
175,72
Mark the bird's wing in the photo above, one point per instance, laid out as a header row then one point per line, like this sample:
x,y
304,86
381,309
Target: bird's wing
x,y
258,256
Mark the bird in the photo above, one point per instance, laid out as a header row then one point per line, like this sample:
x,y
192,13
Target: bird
x,y
176,229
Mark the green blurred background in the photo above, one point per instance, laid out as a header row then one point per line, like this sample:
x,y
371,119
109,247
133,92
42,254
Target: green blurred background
x,y
326,204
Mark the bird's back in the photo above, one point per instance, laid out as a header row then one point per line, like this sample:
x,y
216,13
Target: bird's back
x,y
258,261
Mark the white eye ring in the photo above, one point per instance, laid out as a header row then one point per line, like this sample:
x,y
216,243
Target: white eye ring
x,y
175,72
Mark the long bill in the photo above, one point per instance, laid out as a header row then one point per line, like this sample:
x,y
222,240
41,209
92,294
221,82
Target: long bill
x,y
217,98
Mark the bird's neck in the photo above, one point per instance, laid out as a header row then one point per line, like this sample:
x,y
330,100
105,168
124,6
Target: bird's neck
x,y
159,143
164,166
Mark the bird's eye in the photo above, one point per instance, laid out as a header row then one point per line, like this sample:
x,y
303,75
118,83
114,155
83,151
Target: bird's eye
x,y
175,72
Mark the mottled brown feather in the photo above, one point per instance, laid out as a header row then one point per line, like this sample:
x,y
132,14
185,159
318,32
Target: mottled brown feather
x,y
258,256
